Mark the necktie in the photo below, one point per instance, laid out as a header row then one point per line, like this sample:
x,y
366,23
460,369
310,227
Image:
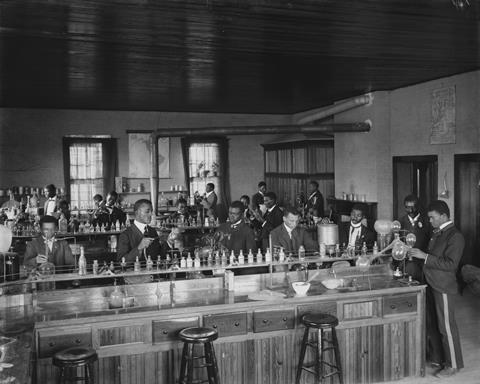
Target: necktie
x,y
146,231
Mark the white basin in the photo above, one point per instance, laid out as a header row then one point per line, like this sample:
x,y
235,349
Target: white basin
x,y
333,283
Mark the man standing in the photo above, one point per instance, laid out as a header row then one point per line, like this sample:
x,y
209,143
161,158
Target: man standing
x,y
289,236
209,200
440,267
51,205
237,236
416,223
258,198
140,236
272,218
314,204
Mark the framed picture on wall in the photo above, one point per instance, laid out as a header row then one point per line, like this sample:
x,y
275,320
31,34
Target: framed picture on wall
x,y
139,152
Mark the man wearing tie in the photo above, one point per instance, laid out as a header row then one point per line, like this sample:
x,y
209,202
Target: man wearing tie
x,y
140,238
290,237
51,205
440,269
237,235
46,248
272,218
314,205
358,233
210,199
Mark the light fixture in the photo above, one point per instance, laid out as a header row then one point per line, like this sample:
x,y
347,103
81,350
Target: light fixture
x,y
461,4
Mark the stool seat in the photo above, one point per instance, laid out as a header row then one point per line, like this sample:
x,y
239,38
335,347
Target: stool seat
x,y
198,335
319,320
75,355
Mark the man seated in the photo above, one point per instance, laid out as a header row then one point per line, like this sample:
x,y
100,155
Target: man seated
x,y
290,237
107,214
247,213
182,215
272,218
237,235
140,237
357,233
47,248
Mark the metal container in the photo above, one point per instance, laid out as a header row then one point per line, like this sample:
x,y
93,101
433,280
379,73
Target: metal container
x,y
327,234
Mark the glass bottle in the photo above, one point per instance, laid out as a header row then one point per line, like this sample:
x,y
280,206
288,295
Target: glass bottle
x,y
149,263
136,265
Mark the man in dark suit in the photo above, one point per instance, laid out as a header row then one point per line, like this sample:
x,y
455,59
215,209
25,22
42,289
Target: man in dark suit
x,y
417,223
47,248
236,234
440,268
257,198
272,218
140,238
357,233
113,210
51,204
314,204
289,236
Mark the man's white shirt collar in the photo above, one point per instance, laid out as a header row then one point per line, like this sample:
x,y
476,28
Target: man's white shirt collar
x,y
445,224
140,226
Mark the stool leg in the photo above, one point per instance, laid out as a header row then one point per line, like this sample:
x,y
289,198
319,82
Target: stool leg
x,y
61,376
190,363
89,374
338,361
211,361
302,355
183,364
319,357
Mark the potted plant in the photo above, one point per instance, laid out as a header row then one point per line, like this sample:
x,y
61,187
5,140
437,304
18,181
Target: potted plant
x,y
199,167
215,168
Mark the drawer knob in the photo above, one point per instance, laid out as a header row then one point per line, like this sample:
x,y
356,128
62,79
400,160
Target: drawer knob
x,y
264,321
214,326
284,319
393,306
78,341
165,332
409,304
51,343
237,324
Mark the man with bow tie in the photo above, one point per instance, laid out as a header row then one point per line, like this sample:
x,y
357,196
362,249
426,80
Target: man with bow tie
x,y
314,204
51,205
47,248
237,235
440,267
358,233
417,223
140,238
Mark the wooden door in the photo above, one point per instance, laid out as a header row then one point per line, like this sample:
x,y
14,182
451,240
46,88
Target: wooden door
x,y
467,204
417,175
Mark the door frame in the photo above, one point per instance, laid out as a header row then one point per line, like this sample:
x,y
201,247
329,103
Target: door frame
x,y
409,159
456,165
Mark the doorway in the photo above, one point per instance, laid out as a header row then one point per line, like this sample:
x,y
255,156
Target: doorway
x,y
467,204
417,175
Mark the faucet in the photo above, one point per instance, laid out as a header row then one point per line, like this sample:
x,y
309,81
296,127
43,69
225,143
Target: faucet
x,y
332,272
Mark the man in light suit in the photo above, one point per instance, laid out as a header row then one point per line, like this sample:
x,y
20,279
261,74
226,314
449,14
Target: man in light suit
x,y
47,248
210,199
440,269
290,237
140,236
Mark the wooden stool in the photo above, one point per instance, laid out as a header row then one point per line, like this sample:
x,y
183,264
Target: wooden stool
x,y
70,359
190,337
320,322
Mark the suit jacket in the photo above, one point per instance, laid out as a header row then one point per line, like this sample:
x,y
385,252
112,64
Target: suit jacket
x,y
239,238
421,229
57,201
257,199
444,253
272,220
366,236
60,255
131,237
315,202
210,202
300,237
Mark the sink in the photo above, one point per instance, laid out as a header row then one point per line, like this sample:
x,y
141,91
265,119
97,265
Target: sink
x,y
334,283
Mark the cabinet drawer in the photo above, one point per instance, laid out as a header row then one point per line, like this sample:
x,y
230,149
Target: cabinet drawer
x,y
329,307
167,330
228,324
266,321
48,345
399,304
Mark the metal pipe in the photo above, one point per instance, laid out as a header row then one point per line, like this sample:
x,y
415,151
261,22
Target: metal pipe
x,y
322,113
260,130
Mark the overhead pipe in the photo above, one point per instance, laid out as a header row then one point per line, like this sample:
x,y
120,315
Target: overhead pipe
x,y
322,113
240,130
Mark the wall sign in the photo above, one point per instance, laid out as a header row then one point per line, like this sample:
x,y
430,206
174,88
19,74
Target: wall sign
x,y
443,116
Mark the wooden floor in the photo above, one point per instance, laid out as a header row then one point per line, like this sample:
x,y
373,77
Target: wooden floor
x,y
468,320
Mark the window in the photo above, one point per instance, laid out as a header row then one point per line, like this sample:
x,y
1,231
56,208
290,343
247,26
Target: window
x,y
204,166
86,173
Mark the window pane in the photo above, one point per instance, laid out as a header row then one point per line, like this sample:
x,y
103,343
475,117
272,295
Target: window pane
x,y
204,166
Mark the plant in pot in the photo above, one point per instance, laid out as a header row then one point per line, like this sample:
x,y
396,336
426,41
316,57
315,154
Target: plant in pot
x,y
200,167
215,168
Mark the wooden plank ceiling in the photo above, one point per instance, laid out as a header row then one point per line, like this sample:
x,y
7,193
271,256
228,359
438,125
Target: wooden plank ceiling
x,y
248,56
